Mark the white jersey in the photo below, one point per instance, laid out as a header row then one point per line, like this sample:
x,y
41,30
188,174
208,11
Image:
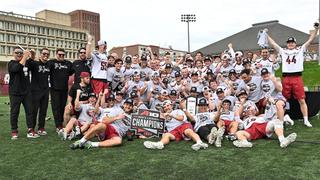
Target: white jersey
x,y
238,68
268,64
172,123
110,112
202,119
254,88
268,88
99,65
115,77
292,60
122,125
253,119
229,116
87,113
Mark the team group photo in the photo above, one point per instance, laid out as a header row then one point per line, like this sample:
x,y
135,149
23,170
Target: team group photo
x,y
75,103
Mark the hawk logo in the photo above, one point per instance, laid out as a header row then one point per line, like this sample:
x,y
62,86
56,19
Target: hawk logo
x,y
266,87
60,66
116,78
252,86
43,69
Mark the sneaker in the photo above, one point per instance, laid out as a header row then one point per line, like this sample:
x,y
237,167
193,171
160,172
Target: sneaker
x,y
288,140
71,135
220,133
87,145
153,145
62,134
242,143
42,132
76,145
14,135
77,131
32,134
307,123
198,146
231,137
213,135
58,129
287,119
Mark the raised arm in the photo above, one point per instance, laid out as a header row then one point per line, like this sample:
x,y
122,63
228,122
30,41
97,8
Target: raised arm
x,y
313,34
89,46
272,42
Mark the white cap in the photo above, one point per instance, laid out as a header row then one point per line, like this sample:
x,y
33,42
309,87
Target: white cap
x,y
164,92
225,56
102,42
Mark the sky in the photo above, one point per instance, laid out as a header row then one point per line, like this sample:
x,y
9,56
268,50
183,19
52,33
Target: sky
x,y
157,22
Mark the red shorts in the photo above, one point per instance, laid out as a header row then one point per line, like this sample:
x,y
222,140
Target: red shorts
x,y
178,132
227,125
98,86
293,85
257,130
109,133
261,105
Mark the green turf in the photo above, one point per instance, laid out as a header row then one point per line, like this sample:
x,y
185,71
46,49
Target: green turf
x,y
310,74
50,158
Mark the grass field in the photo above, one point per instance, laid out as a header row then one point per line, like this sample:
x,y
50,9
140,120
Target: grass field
x,y
50,158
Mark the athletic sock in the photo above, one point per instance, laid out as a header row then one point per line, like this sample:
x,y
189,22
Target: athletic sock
x,y
83,140
281,138
95,144
305,119
199,141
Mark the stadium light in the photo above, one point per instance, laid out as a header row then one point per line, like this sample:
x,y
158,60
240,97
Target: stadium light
x,y
188,18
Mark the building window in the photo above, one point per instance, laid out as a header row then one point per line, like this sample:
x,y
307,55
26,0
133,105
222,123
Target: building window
x,y
32,29
2,50
1,37
1,25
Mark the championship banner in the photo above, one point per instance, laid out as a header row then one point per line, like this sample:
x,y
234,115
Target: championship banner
x,y
191,105
147,123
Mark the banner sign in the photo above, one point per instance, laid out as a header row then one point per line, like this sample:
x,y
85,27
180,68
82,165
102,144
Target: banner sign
x,y
192,105
147,123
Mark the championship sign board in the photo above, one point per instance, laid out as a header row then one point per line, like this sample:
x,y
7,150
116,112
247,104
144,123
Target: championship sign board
x,y
147,123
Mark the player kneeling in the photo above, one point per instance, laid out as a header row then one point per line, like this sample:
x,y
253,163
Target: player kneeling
x,y
257,128
87,114
110,131
178,127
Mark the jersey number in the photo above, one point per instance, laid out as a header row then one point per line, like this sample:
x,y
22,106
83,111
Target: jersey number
x,y
293,60
104,66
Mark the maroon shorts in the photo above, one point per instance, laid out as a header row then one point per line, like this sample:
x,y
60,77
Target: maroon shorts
x,y
293,85
99,86
261,105
178,132
257,130
109,133
227,125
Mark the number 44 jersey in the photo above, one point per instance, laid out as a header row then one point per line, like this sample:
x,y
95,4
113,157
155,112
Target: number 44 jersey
x,y
292,59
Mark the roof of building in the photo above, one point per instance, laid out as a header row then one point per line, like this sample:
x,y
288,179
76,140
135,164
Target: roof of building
x,y
247,39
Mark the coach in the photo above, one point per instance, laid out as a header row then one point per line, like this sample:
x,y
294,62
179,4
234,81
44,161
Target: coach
x,y
20,92
60,70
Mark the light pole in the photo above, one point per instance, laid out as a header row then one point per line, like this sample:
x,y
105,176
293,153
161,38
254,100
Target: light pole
x,y
188,18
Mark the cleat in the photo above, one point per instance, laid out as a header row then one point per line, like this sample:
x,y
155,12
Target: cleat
x,y
213,135
288,140
242,143
153,145
198,146
32,134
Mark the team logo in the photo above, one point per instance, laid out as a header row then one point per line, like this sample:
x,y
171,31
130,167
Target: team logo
x,y
252,86
266,87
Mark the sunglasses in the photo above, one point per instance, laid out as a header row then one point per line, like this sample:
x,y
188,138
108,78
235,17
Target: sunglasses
x,y
119,63
82,52
18,52
45,54
60,55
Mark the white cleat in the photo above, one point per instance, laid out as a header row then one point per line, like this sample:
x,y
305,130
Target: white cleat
x,y
153,145
219,138
213,135
287,118
198,146
62,134
307,123
288,140
242,143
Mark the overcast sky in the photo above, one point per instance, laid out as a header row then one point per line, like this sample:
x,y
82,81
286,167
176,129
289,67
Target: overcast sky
x,y
157,22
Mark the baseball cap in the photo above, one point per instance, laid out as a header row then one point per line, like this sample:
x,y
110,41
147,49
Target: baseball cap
x,y
241,92
177,74
291,39
136,72
205,88
111,97
166,102
155,74
102,42
164,92
226,100
207,58
92,95
193,89
202,102
209,71
128,59
143,57
238,53
189,59
129,101
264,71
226,56
84,74
246,61
173,92
194,73
232,71
168,66
133,94
119,93
167,53
219,90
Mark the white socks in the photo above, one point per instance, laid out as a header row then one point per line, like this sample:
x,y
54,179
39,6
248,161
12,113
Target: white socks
x,y
95,144
83,140
281,138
